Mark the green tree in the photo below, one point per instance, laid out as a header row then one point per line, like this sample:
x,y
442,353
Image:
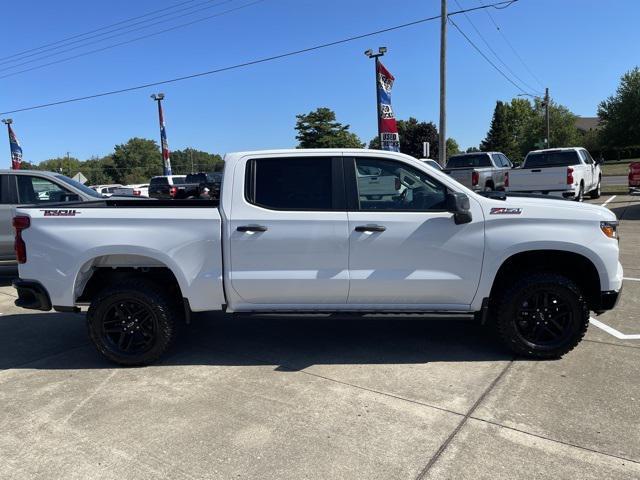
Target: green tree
x,y
137,160
498,137
182,161
509,127
412,134
452,147
620,113
563,131
319,129
99,170
68,166
473,149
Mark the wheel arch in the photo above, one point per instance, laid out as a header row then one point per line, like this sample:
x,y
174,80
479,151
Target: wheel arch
x,y
577,267
100,269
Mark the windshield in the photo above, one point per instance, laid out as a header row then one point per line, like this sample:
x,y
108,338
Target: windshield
x,y
469,161
551,159
83,188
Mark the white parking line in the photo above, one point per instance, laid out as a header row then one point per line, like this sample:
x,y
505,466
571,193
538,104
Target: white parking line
x,y
631,279
612,331
608,200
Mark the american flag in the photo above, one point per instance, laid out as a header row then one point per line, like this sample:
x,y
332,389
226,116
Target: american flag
x,y
165,144
16,150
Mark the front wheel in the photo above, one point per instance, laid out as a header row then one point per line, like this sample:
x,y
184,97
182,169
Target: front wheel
x,y
132,323
542,316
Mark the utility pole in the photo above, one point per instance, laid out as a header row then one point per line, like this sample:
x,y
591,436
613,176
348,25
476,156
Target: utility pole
x,y
164,145
369,53
546,116
442,138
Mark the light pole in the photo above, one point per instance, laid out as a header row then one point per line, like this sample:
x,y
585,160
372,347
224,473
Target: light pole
x,y
369,53
164,145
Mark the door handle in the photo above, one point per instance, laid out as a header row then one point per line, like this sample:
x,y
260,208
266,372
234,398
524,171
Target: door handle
x,y
251,228
370,228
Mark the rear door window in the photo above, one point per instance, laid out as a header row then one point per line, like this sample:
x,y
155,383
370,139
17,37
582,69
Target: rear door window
x,y
291,183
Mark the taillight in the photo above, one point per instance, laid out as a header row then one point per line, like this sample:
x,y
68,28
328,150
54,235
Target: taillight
x,y
569,176
475,178
173,191
398,185
506,179
20,223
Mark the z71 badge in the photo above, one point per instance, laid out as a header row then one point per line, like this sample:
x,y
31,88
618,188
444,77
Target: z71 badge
x,y
505,211
60,213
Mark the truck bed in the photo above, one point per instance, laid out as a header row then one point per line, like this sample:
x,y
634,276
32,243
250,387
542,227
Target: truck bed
x,y
67,241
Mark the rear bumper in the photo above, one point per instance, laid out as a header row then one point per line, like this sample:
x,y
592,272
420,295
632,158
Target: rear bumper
x,y
31,295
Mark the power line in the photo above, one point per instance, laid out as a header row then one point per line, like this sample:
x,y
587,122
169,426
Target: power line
x,y
83,42
175,27
506,40
487,58
484,40
97,30
261,60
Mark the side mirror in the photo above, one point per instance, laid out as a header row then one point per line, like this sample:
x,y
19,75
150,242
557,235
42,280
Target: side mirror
x,y
458,204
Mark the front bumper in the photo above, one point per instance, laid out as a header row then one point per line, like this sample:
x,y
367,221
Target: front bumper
x,y
31,295
608,301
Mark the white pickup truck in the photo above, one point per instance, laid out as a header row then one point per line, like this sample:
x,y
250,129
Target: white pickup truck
x,y
563,172
532,267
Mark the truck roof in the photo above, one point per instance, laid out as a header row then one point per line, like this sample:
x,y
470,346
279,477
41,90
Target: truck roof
x,y
560,149
40,172
233,157
471,153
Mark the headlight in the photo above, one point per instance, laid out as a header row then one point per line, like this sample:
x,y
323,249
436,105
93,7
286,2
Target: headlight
x,y
610,229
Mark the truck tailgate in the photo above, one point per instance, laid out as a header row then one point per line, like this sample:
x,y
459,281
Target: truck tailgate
x,y
461,175
64,244
538,179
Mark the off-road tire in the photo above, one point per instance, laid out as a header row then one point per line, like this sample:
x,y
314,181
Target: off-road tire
x,y
161,306
510,301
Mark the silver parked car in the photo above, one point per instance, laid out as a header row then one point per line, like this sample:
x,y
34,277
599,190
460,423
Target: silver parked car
x,y
480,171
28,187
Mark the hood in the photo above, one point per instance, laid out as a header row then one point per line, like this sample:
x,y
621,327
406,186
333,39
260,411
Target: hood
x,y
553,208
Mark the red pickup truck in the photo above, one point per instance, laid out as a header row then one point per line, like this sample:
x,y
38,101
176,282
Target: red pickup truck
x,y
634,177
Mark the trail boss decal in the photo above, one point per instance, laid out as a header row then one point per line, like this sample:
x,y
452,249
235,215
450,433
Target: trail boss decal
x,y
60,213
505,211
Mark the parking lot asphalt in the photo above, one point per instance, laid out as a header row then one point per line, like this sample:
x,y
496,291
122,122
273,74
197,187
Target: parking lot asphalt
x,y
329,397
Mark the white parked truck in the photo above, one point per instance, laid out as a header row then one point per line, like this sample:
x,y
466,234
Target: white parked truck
x,y
569,173
532,267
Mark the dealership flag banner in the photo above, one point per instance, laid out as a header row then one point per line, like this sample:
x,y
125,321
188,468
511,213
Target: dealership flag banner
x,y
16,150
389,138
165,144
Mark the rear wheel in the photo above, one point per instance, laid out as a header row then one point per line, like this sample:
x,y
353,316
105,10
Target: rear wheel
x,y
580,196
488,187
133,323
542,316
